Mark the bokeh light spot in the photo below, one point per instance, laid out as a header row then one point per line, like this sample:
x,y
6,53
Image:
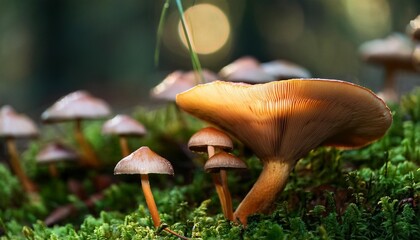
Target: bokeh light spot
x,y
208,26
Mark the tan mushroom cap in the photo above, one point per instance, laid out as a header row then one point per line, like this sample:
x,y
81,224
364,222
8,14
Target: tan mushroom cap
x,y
282,69
245,69
13,124
413,28
123,125
55,152
178,82
76,105
224,160
286,119
393,51
209,136
144,161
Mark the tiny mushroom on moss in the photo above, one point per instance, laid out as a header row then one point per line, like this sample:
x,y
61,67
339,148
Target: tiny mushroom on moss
x,y
220,162
144,161
282,121
124,126
78,106
13,126
53,153
394,53
211,140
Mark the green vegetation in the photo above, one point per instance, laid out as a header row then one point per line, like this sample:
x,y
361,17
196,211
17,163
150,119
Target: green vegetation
x,y
371,193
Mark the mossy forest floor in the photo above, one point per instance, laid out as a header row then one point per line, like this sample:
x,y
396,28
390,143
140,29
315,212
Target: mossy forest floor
x,y
370,193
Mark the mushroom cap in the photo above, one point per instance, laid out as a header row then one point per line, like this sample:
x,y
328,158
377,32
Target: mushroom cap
x,y
282,69
76,105
245,69
55,152
143,161
13,124
209,136
286,119
413,28
177,82
393,51
123,125
224,160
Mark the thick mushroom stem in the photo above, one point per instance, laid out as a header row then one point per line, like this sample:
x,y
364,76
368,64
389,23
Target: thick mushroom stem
x,y
124,146
217,181
263,194
27,184
90,157
150,201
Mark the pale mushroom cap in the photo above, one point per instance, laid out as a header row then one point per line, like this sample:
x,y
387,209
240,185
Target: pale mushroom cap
x,y
123,125
178,82
13,124
396,49
224,160
76,105
209,136
55,152
282,69
413,28
245,69
143,161
286,119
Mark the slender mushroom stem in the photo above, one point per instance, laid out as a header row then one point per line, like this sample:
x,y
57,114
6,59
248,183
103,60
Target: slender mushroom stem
x,y
270,183
390,84
228,198
217,181
175,233
52,168
90,156
150,201
27,184
124,145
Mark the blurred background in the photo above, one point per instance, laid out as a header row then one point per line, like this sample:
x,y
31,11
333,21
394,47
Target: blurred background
x,y
49,48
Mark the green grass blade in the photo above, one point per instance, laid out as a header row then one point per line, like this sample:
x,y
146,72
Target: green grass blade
x,y
160,30
193,55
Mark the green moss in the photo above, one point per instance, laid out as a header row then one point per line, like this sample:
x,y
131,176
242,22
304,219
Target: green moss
x,y
370,193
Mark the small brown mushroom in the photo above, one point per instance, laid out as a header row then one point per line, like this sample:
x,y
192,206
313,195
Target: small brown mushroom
x,y
144,161
394,53
211,140
53,153
78,106
220,162
282,121
123,126
12,126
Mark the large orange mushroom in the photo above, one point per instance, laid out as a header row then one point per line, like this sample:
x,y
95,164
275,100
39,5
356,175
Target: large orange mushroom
x,y
282,121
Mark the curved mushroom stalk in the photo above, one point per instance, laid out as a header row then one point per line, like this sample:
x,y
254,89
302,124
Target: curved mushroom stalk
x,y
90,157
269,185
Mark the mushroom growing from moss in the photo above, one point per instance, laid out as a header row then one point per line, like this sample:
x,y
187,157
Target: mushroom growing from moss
x,y
220,162
282,121
78,106
53,153
123,126
211,140
13,126
394,53
144,161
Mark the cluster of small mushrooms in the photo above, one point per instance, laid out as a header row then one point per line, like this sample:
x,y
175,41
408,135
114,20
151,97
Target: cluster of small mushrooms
x,y
273,108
